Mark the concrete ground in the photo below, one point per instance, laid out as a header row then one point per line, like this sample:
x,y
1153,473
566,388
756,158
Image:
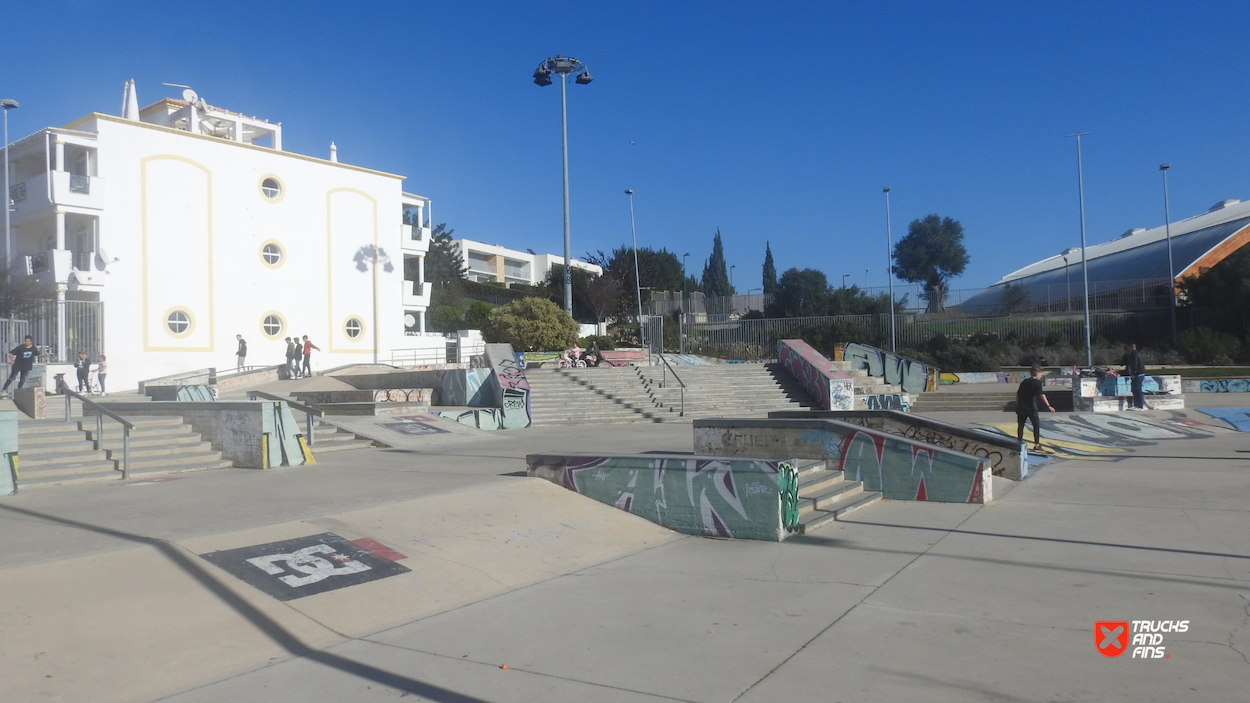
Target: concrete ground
x,y
105,598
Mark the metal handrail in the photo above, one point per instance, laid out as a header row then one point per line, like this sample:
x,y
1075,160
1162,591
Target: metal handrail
x,y
309,411
664,381
101,411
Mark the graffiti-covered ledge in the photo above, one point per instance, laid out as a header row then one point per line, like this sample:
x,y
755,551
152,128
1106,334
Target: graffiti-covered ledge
x,y
714,496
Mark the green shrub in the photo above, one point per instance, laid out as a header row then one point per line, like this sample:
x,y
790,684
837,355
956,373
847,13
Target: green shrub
x,y
531,324
1203,345
478,315
446,319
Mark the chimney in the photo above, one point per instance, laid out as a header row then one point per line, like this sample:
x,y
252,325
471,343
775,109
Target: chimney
x,y
334,153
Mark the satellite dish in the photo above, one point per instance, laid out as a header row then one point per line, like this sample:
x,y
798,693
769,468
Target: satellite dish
x,y
190,96
102,259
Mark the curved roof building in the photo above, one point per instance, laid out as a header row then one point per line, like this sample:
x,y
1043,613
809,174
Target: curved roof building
x,y
1131,271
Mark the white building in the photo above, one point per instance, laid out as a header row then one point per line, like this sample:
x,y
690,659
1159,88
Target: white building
x,y
491,263
175,227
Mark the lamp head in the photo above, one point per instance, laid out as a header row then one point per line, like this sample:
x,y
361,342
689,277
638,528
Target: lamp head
x,y
629,191
8,104
542,75
885,189
583,78
1165,167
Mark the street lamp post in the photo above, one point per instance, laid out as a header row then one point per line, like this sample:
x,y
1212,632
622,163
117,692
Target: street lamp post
x,y
564,67
731,278
1167,229
1080,189
8,197
1067,279
683,281
865,279
889,270
634,230
844,280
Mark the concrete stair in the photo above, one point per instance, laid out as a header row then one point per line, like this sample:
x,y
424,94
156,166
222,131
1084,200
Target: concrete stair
x,y
825,496
59,453
957,401
601,395
724,390
329,438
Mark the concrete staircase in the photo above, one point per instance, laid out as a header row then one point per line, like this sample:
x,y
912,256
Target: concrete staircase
x,y
58,453
608,395
725,390
825,496
329,438
951,400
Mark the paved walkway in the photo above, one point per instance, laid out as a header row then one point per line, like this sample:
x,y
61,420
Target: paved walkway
x,y
107,600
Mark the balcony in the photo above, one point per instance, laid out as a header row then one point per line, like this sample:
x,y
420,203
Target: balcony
x,y
417,295
61,267
414,238
31,195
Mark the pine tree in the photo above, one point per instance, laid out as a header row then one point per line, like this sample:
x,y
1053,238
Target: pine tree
x,y
770,271
715,272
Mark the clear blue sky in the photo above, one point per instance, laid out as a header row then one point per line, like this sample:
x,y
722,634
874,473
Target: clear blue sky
x,y
771,121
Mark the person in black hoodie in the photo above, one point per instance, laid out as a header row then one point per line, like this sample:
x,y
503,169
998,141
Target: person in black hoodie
x,y
1135,367
1028,397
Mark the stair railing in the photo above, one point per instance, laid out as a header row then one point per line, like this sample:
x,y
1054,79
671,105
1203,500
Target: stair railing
x,y
100,412
309,411
664,383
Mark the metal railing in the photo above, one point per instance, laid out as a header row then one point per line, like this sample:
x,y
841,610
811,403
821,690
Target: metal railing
x,y
309,411
101,411
664,383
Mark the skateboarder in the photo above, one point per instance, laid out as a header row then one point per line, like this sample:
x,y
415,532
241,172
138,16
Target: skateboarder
x,y
1028,397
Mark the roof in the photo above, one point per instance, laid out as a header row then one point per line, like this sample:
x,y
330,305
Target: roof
x,y
1198,243
179,103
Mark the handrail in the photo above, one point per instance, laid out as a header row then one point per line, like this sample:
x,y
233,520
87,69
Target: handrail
x,y
308,410
101,411
669,367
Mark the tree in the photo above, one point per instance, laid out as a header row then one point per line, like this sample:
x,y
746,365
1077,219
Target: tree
x,y
603,297
581,282
531,324
657,270
801,294
715,272
443,262
1225,285
931,253
478,315
770,271
445,318
1015,296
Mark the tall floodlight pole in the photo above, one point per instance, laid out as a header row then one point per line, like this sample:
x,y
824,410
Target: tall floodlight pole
x,y
1067,279
1167,229
8,197
889,266
1080,189
632,228
564,66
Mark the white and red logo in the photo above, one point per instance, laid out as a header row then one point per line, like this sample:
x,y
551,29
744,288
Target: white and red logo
x,y
1113,637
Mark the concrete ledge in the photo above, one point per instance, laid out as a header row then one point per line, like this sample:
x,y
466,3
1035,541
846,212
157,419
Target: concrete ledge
x,y
715,496
830,387
1002,453
247,379
898,468
31,401
388,395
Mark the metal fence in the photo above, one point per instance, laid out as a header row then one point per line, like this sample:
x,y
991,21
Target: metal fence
x,y
757,339
1131,294
60,329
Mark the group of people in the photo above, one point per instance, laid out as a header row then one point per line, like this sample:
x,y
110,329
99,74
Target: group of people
x,y
297,351
575,356
1030,396
22,360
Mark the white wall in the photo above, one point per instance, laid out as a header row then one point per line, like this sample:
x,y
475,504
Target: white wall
x,y
187,220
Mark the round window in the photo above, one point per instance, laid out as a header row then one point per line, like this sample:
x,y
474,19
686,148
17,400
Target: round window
x,y
272,325
271,188
354,327
271,254
178,322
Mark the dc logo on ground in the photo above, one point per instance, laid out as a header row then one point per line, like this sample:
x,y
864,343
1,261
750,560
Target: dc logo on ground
x,y
1111,637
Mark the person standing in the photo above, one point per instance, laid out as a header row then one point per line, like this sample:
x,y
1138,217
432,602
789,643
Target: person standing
x,y
101,371
21,360
308,347
1135,367
83,366
292,368
1029,396
241,353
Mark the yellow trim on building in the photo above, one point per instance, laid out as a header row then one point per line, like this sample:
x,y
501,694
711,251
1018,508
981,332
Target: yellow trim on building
x,y
143,245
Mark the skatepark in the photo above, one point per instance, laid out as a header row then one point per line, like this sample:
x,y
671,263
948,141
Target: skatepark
x,y
489,583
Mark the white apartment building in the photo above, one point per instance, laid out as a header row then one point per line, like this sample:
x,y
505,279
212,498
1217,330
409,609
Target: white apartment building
x,y
172,228
491,263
